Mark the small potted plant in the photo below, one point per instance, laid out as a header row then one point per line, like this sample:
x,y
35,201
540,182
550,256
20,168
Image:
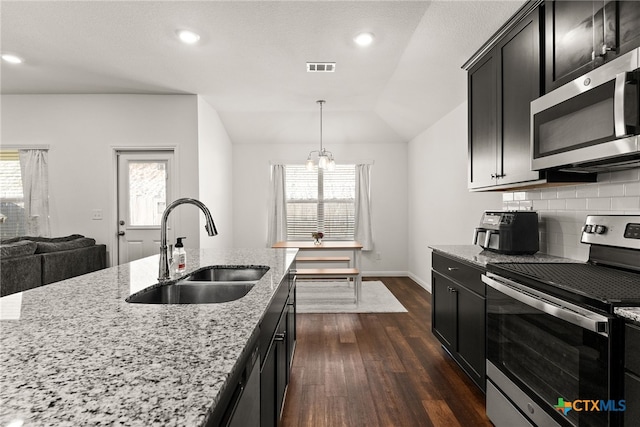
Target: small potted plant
x,y
317,236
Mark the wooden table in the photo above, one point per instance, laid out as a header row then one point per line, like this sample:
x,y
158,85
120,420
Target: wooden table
x,y
351,272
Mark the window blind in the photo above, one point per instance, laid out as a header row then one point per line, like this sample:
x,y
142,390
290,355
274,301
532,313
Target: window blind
x,y
320,200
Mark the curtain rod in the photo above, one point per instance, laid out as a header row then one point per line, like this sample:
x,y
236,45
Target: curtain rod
x,y
24,147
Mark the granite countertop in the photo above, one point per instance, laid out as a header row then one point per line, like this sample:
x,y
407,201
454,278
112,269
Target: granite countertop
x,y
480,257
631,314
75,353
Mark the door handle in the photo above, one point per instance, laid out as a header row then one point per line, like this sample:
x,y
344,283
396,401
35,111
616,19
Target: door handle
x,y
621,127
120,233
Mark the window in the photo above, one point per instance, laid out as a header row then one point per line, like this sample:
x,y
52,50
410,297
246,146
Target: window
x,y
12,217
320,200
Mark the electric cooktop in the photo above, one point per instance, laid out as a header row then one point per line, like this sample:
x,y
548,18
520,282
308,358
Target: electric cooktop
x,y
611,276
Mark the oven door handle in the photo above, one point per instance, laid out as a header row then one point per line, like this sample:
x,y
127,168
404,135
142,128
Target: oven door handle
x,y
550,305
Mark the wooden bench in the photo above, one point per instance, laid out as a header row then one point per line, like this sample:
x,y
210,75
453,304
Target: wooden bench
x,y
332,273
327,273
323,259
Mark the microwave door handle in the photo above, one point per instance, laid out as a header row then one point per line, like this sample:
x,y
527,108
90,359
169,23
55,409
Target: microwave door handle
x,y
622,80
475,236
618,105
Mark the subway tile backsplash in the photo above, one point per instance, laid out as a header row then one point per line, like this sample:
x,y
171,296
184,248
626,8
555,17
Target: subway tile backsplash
x,y
563,210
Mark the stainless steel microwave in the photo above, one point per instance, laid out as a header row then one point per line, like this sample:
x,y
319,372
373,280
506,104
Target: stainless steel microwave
x,y
591,123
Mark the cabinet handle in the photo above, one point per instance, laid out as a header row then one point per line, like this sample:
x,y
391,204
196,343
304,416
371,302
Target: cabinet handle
x,y
493,176
280,336
454,290
452,268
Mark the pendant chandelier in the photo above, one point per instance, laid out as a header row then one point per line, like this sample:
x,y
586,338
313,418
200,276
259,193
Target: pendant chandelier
x,y
325,157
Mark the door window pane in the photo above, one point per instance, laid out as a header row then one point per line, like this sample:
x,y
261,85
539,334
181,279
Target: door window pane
x,y
147,192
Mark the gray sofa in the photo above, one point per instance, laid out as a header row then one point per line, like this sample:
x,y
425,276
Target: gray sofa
x,y
28,262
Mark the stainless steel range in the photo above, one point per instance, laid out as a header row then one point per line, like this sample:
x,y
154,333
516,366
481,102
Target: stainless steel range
x,y
554,347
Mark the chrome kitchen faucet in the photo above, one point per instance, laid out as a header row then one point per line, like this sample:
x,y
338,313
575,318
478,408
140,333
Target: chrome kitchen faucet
x,y
163,274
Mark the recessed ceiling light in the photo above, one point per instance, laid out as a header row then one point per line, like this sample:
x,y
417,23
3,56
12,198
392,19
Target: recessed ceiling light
x,y
12,59
364,39
188,37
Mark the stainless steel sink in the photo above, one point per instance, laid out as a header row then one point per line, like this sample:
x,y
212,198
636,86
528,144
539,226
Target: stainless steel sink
x,y
215,284
227,274
193,293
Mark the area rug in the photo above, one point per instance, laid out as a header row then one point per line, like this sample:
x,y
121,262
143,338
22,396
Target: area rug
x,y
337,297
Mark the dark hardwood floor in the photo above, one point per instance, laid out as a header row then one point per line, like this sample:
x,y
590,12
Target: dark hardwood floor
x,y
382,369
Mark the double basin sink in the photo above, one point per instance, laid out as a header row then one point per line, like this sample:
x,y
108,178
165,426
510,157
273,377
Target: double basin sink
x,y
215,284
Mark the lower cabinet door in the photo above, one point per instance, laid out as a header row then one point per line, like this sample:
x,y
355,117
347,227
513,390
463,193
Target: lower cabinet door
x,y
632,397
268,390
444,311
274,376
282,367
471,334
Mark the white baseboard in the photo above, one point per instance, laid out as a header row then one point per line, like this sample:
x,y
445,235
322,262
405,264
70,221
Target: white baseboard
x,y
420,282
424,284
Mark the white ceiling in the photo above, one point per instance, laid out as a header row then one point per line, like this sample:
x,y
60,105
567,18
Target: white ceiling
x,y
250,61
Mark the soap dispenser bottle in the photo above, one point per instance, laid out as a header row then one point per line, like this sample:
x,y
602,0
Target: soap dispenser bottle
x,y
180,256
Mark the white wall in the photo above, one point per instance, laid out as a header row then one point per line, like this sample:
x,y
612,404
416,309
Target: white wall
x,y
82,131
441,210
251,167
215,176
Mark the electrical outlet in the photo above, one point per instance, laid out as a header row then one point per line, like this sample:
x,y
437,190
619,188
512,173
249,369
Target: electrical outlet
x,y
378,256
96,214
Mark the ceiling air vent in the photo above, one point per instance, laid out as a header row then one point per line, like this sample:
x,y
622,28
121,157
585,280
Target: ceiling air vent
x,y
321,67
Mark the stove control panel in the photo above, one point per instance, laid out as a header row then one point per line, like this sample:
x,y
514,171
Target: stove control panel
x,y
632,231
612,230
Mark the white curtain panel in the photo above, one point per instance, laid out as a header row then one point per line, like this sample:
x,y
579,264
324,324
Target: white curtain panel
x,y
277,230
362,227
34,167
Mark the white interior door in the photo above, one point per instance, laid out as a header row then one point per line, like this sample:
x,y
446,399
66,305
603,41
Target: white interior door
x,y
144,186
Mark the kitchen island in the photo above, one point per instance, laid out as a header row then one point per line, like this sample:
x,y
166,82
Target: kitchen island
x,y
75,353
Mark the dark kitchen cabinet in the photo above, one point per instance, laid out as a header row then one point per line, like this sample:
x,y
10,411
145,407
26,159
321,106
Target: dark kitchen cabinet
x,y
504,76
458,314
501,86
582,35
277,343
632,375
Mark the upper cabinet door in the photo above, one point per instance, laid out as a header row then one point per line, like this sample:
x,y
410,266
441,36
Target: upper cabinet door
x,y
582,35
571,29
482,123
627,22
518,85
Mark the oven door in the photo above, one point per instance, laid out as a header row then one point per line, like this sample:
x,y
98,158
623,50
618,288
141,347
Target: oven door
x,y
595,117
544,354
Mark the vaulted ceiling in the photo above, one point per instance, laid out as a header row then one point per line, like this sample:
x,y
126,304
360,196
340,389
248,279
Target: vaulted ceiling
x,y
250,62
